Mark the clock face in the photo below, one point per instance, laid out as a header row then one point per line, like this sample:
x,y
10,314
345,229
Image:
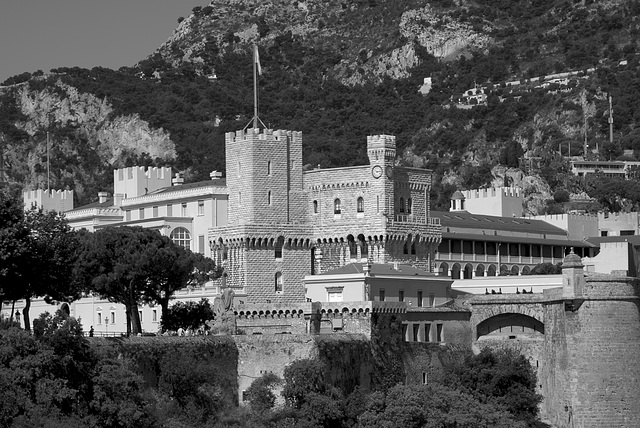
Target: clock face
x,y
389,171
376,171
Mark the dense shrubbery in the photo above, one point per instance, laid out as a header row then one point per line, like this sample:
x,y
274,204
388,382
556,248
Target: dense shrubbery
x,y
55,379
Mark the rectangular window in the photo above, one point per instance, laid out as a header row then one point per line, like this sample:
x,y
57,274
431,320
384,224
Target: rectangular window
x,y
169,210
154,315
427,332
140,315
200,207
99,317
439,332
404,332
381,294
141,214
113,317
127,215
416,331
184,209
401,295
432,300
419,298
424,378
155,212
201,244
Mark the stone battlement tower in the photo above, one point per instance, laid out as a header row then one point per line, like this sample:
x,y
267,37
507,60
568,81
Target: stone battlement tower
x,y
592,349
263,168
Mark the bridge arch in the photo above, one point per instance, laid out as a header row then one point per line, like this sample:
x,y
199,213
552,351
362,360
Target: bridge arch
x,y
509,324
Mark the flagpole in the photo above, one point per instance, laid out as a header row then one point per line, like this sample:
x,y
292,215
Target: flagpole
x,y
255,88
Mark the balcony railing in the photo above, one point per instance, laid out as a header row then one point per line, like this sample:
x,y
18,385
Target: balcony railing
x,y
410,218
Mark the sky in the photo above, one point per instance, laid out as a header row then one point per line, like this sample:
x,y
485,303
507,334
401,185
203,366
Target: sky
x,y
46,34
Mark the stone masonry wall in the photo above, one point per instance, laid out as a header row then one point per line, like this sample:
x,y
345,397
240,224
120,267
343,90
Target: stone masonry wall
x,y
592,348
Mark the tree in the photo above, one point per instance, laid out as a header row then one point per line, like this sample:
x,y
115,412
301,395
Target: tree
x,y
173,269
261,396
116,263
546,268
504,377
432,406
187,315
301,378
511,154
38,252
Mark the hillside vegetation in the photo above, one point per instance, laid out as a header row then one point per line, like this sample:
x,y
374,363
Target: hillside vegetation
x,y
341,70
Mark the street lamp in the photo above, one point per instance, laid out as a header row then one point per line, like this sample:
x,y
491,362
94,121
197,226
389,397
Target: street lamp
x,y
106,326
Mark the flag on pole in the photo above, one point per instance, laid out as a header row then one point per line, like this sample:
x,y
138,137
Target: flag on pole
x,y
256,58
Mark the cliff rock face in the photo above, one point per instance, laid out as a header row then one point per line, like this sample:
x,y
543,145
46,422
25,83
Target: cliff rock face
x,y
439,34
85,142
346,28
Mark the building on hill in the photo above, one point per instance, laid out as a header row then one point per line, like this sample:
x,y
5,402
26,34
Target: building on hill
x,y
618,224
621,169
578,226
269,223
285,223
476,245
496,201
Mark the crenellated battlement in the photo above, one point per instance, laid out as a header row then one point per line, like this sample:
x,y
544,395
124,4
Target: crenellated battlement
x,y
49,200
494,192
498,201
136,181
261,134
381,141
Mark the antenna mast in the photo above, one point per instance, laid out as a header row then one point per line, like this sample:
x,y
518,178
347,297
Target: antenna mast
x,y
257,70
610,121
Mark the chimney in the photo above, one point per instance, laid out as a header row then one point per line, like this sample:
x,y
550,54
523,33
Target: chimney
x,y
102,197
178,180
215,175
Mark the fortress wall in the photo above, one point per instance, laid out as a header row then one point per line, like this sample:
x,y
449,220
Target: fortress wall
x,y
262,354
592,352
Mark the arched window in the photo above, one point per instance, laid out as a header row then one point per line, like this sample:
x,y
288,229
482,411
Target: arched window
x,y
278,282
353,249
337,207
360,204
409,205
315,207
181,236
401,205
364,247
278,247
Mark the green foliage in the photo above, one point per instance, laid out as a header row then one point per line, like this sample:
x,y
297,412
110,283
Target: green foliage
x,y
561,196
427,406
187,315
386,349
118,397
546,268
261,396
511,154
503,377
301,378
35,238
133,265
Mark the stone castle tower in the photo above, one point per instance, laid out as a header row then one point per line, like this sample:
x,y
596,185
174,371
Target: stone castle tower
x,y
285,224
264,254
592,350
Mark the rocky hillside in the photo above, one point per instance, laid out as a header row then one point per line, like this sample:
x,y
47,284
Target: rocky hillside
x,y
339,70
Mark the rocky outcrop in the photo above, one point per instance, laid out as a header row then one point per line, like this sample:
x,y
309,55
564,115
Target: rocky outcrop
x,y
83,137
440,34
